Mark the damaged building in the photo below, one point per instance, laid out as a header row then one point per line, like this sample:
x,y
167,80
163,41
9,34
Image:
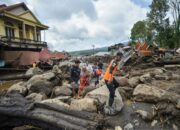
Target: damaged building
x,y
20,35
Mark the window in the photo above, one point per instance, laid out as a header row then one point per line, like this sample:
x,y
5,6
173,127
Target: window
x,y
9,29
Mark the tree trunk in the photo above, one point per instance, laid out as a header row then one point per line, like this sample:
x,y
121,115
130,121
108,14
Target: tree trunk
x,y
15,110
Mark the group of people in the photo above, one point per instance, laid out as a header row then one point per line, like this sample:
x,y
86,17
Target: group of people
x,y
83,76
79,78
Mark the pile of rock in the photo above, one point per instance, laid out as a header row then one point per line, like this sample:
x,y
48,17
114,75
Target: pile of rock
x,y
151,100
146,99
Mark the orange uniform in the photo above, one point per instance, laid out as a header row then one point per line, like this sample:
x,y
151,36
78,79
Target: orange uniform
x,y
110,71
84,80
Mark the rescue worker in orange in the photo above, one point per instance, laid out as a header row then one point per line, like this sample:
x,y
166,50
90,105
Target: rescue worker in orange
x,y
111,83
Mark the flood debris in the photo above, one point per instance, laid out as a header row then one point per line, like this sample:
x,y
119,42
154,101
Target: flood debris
x,y
148,97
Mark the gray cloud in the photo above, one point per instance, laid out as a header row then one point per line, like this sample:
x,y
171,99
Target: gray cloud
x,y
62,9
77,24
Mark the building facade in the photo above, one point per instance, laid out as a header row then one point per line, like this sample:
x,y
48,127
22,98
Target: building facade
x,y
20,33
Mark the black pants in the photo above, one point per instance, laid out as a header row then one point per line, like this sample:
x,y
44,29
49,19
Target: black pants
x,y
112,88
96,80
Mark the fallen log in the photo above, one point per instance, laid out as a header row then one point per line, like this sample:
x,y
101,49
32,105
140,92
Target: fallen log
x,y
15,77
19,111
167,62
172,66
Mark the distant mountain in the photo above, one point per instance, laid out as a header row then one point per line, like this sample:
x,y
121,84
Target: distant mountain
x,y
88,52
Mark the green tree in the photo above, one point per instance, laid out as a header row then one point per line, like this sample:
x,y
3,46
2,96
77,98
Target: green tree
x,y
175,8
157,21
138,32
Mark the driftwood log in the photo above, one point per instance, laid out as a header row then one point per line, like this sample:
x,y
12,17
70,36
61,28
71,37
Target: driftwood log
x,y
167,62
15,77
15,110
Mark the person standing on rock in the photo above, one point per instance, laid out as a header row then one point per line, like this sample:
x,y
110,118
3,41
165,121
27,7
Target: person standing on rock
x,y
110,81
84,80
75,76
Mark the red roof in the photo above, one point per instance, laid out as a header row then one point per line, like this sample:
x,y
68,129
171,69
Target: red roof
x,y
45,54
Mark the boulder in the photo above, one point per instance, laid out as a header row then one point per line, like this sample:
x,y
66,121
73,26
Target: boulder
x,y
65,63
56,101
161,77
85,104
129,126
175,127
178,104
102,95
36,97
62,91
122,81
134,81
153,123
65,67
56,69
19,88
118,128
145,78
101,83
63,98
46,76
157,71
87,90
144,92
33,71
175,77
41,86
136,123
144,115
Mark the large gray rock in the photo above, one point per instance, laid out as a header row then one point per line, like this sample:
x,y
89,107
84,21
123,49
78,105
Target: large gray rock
x,y
144,92
65,67
46,76
178,104
87,90
122,81
102,95
134,81
56,69
36,97
65,63
157,71
64,98
161,77
33,71
41,86
62,91
57,102
19,88
85,104
118,128
175,77
145,78
129,126
145,115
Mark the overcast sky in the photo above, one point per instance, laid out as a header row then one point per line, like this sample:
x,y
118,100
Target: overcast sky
x,y
78,24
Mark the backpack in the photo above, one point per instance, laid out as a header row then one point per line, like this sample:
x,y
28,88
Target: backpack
x,y
98,72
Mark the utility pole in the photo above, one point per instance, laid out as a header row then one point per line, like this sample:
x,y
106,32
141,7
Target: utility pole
x,y
93,48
